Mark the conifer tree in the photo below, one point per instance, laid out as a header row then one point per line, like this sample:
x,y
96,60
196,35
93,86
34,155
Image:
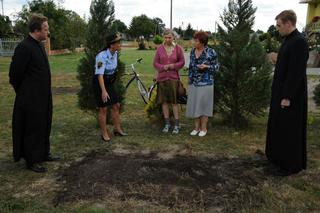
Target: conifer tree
x,y
243,82
99,26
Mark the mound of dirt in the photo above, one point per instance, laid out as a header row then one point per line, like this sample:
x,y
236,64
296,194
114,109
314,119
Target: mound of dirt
x,y
181,182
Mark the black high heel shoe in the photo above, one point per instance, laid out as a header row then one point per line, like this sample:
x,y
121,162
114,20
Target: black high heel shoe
x,y
116,133
104,140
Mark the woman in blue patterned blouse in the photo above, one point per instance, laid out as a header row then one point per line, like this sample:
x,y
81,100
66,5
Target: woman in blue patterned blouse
x,y
203,64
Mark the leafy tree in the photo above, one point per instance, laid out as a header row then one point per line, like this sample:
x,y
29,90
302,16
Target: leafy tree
x,y
119,26
5,26
76,28
272,30
270,44
102,17
141,26
259,32
159,26
243,82
63,23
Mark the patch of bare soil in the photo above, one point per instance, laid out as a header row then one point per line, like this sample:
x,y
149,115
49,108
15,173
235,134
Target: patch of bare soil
x,y
186,182
64,90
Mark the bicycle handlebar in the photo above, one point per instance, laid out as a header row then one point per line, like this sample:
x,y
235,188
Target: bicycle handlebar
x,y
136,62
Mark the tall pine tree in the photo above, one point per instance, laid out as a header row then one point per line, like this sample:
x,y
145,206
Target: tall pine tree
x,y
243,82
99,26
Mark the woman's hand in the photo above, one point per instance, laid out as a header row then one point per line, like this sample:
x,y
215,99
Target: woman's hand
x,y
166,67
105,96
202,67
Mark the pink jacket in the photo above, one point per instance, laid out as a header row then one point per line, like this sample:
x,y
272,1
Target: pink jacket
x,y
161,58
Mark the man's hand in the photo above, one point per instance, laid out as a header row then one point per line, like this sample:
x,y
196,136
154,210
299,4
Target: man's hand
x,y
285,103
273,57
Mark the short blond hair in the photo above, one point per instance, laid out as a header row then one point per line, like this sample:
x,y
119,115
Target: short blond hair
x,y
169,31
287,15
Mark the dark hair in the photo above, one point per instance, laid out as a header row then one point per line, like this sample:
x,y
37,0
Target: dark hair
x,y
202,37
287,15
35,22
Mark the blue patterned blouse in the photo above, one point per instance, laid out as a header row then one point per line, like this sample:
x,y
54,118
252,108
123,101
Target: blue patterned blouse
x,y
202,78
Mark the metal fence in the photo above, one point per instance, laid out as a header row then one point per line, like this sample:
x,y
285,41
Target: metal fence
x,y
7,46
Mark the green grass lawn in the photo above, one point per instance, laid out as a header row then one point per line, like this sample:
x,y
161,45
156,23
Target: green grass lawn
x,y
75,134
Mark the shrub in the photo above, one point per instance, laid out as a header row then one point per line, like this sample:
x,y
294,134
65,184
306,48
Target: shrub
x,y
158,40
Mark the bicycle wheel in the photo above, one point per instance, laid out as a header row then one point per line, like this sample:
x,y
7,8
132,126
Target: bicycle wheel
x,y
130,81
152,91
142,90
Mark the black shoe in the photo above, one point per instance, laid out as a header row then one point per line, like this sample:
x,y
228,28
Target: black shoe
x,y
116,133
36,167
284,173
104,140
52,158
276,171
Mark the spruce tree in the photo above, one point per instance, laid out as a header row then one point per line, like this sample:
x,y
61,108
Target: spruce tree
x,y
99,26
243,82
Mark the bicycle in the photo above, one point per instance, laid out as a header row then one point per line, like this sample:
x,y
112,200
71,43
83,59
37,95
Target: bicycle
x,y
145,94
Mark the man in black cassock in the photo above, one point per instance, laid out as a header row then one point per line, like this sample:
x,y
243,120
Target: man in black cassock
x,y
32,114
287,124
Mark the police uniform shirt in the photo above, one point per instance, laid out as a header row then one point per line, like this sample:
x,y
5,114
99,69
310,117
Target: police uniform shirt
x,y
106,63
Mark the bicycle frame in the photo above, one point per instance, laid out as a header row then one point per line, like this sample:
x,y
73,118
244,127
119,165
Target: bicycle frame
x,y
145,94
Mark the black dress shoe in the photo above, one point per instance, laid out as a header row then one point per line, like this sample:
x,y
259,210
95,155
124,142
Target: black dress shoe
x,y
284,173
36,167
52,158
116,133
104,140
276,171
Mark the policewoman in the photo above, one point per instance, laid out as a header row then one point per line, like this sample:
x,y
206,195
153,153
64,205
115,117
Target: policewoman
x,y
104,88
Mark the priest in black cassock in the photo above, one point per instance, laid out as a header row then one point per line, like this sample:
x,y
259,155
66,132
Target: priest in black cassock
x,y
32,114
287,124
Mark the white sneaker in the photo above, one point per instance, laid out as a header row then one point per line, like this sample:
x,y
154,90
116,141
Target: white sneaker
x,y
202,133
166,128
194,132
176,130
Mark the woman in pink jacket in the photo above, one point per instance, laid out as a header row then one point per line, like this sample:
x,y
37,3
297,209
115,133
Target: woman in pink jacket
x,y
168,60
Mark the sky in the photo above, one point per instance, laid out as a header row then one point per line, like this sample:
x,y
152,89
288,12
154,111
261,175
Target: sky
x,y
201,14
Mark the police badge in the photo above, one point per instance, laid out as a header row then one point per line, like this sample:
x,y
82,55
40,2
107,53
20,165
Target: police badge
x,y
99,64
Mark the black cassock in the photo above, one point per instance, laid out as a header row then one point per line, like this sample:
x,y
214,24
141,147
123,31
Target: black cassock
x,y
286,131
32,114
